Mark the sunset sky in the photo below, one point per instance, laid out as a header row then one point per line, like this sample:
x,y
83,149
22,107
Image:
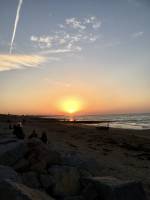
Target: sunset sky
x,y
94,53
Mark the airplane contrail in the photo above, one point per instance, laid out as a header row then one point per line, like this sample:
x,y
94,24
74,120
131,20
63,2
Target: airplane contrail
x,y
15,25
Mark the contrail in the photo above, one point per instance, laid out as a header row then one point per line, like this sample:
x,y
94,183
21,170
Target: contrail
x,y
15,25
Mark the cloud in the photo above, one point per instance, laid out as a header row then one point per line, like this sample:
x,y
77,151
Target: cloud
x,y
61,26
74,23
9,62
43,41
69,38
55,51
137,34
96,25
93,21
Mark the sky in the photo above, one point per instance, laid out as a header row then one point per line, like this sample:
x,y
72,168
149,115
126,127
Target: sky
x,y
93,52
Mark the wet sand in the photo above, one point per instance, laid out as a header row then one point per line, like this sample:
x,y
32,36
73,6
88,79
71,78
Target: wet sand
x,y
120,153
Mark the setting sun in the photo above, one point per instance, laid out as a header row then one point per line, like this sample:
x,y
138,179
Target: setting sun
x,y
70,105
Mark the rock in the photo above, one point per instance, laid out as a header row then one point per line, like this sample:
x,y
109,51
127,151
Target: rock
x,y
83,163
54,158
8,140
11,151
14,191
30,179
110,188
66,180
74,198
84,173
89,192
37,155
8,173
40,156
22,165
46,181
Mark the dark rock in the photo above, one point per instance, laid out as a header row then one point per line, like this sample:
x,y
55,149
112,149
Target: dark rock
x,y
66,180
14,191
30,179
11,152
8,173
82,163
8,140
54,158
22,165
84,173
110,188
74,198
46,181
89,192
40,156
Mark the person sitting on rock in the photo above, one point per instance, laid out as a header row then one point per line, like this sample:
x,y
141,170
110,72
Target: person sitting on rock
x,y
18,131
44,138
33,135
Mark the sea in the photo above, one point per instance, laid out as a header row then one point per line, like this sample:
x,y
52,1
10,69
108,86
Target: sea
x,y
126,121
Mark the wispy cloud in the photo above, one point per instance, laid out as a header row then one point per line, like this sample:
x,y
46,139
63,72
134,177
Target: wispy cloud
x,y
55,51
75,23
42,41
9,62
137,34
96,24
70,36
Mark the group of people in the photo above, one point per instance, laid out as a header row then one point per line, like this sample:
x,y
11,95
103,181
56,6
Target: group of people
x,y
19,133
43,137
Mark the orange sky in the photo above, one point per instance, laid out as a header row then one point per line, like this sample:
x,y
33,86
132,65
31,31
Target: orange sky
x,y
93,54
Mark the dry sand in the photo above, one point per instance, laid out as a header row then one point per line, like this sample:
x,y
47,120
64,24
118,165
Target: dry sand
x,y
120,153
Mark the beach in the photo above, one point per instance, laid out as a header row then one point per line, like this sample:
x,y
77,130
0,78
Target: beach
x,y
120,153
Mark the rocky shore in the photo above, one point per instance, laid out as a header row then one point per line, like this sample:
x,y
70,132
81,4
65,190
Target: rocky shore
x,y
72,166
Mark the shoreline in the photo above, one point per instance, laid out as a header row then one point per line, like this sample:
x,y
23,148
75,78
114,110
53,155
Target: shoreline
x,y
121,153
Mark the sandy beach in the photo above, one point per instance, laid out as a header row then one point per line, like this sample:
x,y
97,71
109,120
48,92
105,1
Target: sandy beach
x,y
120,153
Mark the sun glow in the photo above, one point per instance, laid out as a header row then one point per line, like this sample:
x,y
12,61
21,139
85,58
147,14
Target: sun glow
x,y
70,105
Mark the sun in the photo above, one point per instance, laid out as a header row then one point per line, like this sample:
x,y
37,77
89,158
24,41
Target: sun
x,y
70,105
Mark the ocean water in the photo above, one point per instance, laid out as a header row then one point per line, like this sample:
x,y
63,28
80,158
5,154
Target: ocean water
x,y
127,121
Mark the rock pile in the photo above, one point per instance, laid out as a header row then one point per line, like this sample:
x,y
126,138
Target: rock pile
x,y
30,170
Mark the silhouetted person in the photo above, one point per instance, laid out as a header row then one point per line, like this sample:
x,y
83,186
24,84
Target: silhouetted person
x,y
10,126
18,131
44,138
33,135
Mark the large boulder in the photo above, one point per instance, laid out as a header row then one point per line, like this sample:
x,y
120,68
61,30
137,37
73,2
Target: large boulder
x,y
110,188
31,180
66,180
15,191
11,151
22,165
46,181
54,158
85,164
8,173
89,192
40,156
